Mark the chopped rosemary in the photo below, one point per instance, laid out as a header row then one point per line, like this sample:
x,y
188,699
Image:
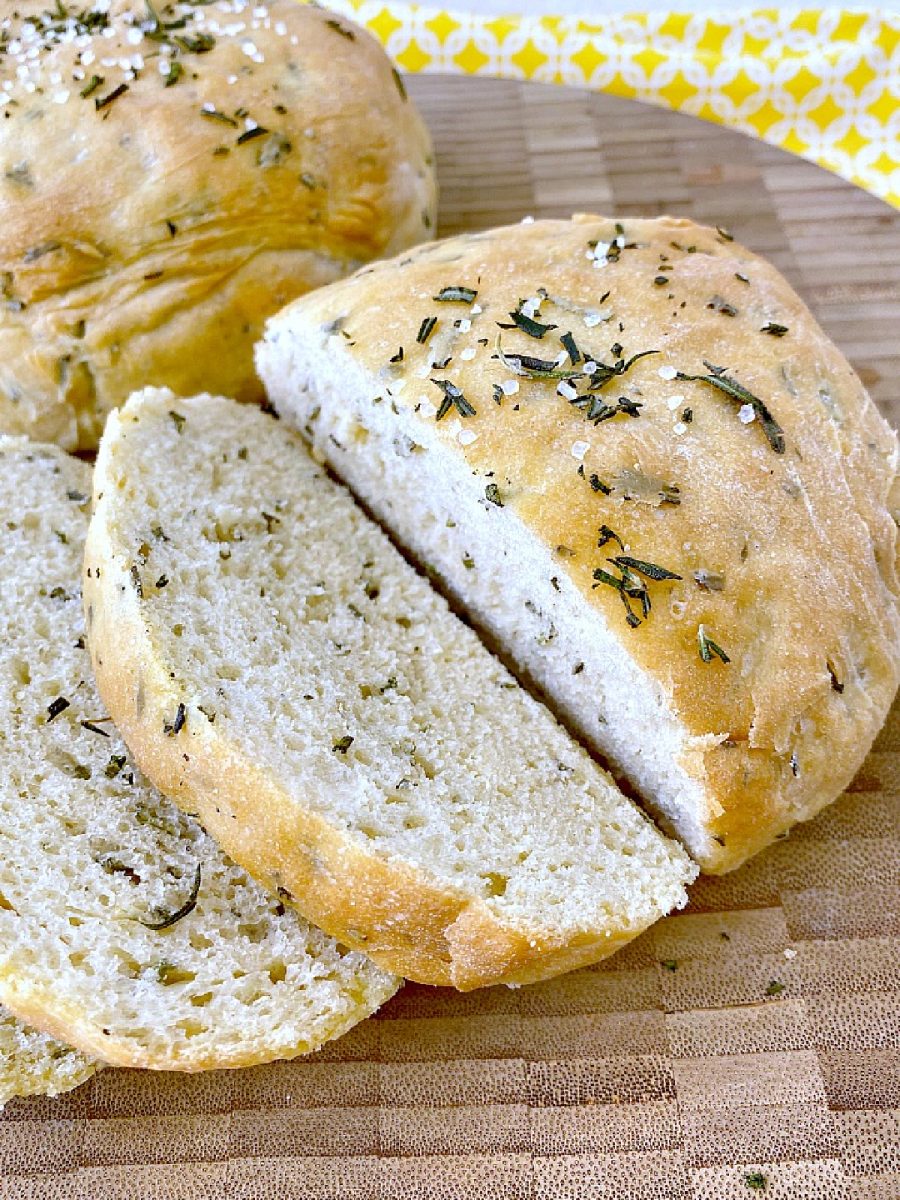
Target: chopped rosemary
x,y
568,343
398,357
775,987
173,729
492,493
529,325
708,647
630,586
105,101
95,81
836,685
773,328
213,114
453,398
756,1181
249,134
597,410
175,72
115,765
93,727
180,913
425,330
725,234
597,485
342,745
178,420
736,391
609,535
57,706
457,293
136,581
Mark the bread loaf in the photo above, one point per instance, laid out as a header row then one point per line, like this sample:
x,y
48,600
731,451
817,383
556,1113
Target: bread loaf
x,y
171,174
34,1064
123,930
637,462
277,668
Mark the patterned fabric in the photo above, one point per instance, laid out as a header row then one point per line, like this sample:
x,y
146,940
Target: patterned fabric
x,y
822,83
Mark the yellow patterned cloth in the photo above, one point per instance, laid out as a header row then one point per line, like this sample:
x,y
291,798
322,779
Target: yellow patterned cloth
x,y
821,82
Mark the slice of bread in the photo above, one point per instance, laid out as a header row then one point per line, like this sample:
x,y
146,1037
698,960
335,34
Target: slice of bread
x,y
34,1064
277,667
637,462
123,930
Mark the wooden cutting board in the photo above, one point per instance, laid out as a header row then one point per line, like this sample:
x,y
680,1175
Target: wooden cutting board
x,y
749,1046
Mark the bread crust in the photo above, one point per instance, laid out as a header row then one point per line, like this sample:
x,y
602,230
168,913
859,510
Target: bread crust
x,y
146,240
803,540
405,920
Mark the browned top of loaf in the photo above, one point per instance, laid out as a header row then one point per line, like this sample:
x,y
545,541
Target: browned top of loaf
x,y
782,532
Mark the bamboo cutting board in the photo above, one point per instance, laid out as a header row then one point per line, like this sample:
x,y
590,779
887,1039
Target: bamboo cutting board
x,y
749,1046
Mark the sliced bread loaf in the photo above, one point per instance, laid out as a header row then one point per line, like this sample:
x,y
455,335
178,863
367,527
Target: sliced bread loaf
x,y
123,929
34,1064
638,463
278,668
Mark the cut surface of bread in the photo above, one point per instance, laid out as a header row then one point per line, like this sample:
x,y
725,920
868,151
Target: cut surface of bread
x,y
34,1064
638,464
123,930
276,666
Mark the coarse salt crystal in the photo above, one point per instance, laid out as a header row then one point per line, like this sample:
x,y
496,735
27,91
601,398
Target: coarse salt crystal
x,y
566,390
679,428
60,97
580,449
280,28
509,387
426,408
476,309
468,354
249,49
464,325
746,414
134,37
466,437
674,401
789,953
208,106
528,220
667,373
590,366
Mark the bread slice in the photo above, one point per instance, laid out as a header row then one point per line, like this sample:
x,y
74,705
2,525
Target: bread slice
x,y
564,416
123,930
34,1064
277,667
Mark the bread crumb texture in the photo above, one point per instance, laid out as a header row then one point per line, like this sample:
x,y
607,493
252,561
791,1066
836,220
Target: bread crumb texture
x,y
277,666
171,174
632,455
34,1064
123,929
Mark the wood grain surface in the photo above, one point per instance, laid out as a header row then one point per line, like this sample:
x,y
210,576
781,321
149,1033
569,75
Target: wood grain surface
x,y
748,1046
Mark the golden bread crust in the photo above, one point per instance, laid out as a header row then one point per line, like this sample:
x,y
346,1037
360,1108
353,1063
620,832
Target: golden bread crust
x,y
799,541
147,235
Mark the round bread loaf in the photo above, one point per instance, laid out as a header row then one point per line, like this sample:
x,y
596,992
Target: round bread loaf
x,y
171,175
633,457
